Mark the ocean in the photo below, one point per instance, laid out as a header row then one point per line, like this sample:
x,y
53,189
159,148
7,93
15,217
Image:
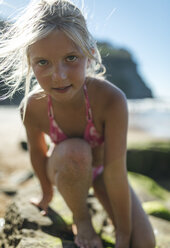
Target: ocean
x,y
149,115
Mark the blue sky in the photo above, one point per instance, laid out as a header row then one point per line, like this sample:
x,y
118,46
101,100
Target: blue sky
x,y
141,26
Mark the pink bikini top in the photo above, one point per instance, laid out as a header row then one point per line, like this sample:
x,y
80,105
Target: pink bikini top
x,y
90,135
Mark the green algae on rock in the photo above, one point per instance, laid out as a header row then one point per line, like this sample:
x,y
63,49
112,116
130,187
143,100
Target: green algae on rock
x,y
151,159
157,209
146,188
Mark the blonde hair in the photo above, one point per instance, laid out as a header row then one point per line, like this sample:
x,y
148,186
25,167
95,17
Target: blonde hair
x,y
38,20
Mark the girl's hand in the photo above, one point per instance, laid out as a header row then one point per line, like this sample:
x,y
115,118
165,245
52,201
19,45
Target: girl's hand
x,y
43,203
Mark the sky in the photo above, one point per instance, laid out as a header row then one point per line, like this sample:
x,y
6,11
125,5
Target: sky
x,y
141,26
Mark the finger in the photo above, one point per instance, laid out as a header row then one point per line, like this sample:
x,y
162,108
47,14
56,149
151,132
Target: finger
x,y
43,212
34,201
74,229
40,206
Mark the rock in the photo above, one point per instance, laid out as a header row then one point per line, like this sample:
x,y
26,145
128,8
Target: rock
x,y
155,201
24,145
11,191
162,231
151,159
26,227
122,71
147,189
42,240
2,223
157,209
20,177
16,179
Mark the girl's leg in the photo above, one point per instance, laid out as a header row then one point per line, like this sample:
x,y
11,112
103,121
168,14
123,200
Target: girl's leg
x,y
142,233
70,169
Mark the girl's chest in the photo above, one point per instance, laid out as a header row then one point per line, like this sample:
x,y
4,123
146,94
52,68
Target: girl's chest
x,y
73,124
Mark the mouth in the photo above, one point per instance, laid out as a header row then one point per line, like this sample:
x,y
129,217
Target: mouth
x,y
62,89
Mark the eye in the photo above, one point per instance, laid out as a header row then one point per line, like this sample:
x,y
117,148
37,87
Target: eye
x,y
71,58
42,62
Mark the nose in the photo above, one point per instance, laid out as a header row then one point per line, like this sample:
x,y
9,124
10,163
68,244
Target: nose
x,y
59,72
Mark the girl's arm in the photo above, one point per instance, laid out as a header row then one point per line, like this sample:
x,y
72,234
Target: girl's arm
x,y
38,155
115,175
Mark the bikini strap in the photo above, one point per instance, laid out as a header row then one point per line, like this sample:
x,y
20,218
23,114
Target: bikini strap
x,y
88,108
50,108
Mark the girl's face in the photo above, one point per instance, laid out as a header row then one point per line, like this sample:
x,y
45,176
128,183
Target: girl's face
x,y
59,66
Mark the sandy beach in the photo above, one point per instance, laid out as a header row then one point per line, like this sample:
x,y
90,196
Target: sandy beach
x,y
13,159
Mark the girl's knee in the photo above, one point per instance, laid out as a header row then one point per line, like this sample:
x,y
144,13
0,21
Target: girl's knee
x,y
72,156
77,150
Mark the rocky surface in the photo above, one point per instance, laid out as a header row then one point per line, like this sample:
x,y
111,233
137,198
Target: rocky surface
x,y
156,202
150,158
26,227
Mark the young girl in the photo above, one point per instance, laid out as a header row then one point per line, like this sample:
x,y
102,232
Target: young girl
x,y
85,116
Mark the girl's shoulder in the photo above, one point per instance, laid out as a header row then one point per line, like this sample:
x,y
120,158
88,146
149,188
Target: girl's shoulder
x,y
105,93
110,106
36,99
33,106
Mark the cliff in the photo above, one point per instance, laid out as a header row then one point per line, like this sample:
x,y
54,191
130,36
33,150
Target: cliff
x,y
122,71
